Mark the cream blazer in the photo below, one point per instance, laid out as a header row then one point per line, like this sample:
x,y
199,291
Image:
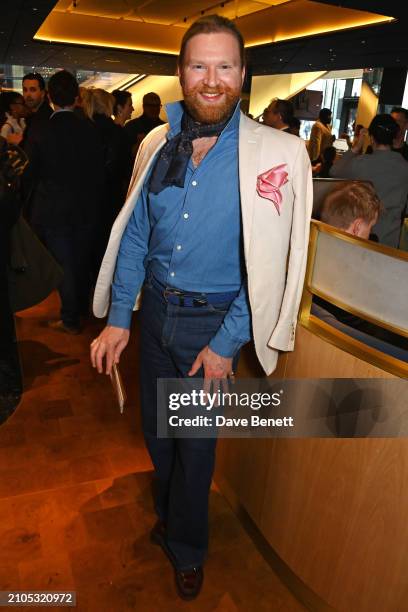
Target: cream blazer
x,y
275,245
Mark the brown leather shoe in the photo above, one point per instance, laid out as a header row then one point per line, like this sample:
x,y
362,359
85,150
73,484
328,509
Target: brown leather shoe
x,y
189,583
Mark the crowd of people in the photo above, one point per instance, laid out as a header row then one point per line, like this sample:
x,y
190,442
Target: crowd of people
x,y
81,144
382,162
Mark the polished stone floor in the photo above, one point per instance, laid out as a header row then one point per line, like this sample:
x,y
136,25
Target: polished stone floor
x,y
75,493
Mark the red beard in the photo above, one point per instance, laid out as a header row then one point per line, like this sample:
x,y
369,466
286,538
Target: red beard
x,y
210,113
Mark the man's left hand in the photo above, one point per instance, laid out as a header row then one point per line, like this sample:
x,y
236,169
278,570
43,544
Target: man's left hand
x,y
214,365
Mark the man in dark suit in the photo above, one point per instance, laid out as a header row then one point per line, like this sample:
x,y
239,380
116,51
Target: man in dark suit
x,y
66,169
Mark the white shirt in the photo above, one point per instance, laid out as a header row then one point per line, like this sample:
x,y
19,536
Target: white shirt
x,y
12,126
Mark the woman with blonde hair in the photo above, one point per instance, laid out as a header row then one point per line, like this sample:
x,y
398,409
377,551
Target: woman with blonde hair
x,y
98,107
97,102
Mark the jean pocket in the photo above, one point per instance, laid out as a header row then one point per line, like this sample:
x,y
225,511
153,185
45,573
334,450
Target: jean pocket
x,y
222,308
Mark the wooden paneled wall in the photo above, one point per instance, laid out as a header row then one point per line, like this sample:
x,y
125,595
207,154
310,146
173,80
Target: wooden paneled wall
x,y
334,510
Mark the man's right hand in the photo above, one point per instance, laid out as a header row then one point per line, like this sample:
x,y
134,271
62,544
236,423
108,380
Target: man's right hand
x,y
110,344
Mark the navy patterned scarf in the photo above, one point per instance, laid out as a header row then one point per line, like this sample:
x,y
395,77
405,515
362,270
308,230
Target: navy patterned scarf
x,y
171,165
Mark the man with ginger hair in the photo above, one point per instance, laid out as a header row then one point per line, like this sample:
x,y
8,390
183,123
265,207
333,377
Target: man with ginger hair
x,y
354,207
215,228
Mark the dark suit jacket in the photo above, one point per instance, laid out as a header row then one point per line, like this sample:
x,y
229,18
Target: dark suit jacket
x,y
65,172
36,121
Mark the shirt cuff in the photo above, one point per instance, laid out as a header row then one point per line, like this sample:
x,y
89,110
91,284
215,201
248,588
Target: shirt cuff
x,y
224,345
120,316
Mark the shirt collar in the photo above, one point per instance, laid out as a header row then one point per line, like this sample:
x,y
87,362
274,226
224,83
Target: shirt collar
x,y
175,112
62,110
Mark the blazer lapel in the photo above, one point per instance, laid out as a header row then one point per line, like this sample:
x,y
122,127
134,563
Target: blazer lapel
x,y
249,152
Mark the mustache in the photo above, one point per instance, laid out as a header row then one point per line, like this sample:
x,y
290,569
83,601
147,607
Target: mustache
x,y
204,89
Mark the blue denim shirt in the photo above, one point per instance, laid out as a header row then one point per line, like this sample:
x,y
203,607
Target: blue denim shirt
x,y
190,238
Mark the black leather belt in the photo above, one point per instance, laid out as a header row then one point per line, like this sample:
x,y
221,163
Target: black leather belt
x,y
191,299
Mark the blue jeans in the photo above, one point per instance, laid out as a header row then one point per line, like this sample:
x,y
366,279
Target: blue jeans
x,y
72,248
171,338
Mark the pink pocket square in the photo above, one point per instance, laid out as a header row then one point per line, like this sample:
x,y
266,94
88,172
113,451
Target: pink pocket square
x,y
268,184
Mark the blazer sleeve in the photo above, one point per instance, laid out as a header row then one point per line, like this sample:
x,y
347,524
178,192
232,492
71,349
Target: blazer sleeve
x,y
283,336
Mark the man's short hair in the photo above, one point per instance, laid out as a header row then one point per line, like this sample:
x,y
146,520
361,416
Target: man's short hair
x,y
151,98
63,88
121,97
35,76
400,110
325,115
352,200
7,98
284,108
383,129
210,24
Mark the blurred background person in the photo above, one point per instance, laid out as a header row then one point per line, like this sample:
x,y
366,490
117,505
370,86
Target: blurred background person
x,y
67,173
13,107
320,135
355,208
98,106
123,107
294,126
385,169
36,101
279,114
356,132
136,129
79,103
401,117
10,207
328,156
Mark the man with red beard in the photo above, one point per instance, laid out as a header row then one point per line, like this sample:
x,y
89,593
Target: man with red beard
x,y
202,187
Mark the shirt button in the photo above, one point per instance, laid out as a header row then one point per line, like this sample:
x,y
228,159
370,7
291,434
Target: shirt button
x,y
194,183
178,247
172,274
185,215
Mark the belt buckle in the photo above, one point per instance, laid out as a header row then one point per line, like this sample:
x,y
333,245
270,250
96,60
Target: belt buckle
x,y
199,302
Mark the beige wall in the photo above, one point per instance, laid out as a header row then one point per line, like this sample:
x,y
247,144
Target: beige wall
x,y
167,87
367,107
264,88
